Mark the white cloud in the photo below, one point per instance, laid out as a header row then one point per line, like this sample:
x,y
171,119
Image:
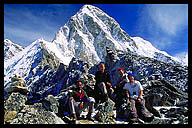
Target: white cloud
x,y
170,18
163,24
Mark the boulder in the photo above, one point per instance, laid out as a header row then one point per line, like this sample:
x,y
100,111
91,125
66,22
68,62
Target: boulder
x,y
16,112
161,93
105,111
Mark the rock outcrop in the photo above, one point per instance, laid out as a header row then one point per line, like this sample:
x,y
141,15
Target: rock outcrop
x,y
16,112
171,101
146,69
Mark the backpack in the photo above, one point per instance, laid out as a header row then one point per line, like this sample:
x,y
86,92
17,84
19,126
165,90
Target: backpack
x,y
124,110
104,111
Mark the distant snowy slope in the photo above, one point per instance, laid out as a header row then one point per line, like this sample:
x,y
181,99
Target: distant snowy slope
x,y
40,52
21,63
145,48
53,50
183,57
11,49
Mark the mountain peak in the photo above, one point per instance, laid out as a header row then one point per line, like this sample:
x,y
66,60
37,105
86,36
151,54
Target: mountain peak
x,y
11,49
88,8
87,34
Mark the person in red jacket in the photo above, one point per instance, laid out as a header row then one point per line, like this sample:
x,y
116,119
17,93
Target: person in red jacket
x,y
79,101
118,88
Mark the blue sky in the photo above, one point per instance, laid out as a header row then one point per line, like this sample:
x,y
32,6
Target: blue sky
x,y
165,26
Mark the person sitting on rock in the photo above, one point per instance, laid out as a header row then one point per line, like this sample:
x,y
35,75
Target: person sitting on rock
x,y
16,85
79,101
118,88
135,91
103,87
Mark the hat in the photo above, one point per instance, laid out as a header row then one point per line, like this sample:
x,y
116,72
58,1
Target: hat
x,y
120,69
131,74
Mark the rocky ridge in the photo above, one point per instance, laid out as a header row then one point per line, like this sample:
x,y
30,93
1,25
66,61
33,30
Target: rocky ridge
x,y
158,92
147,69
30,59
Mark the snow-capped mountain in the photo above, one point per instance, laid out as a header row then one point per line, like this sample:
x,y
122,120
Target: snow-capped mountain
x,y
29,59
90,31
11,49
91,36
183,57
86,36
145,48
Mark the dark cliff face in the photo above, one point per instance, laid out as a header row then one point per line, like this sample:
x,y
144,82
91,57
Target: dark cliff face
x,y
48,80
146,69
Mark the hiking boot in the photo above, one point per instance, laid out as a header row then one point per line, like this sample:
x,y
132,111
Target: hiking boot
x,y
66,119
74,117
89,117
148,119
134,120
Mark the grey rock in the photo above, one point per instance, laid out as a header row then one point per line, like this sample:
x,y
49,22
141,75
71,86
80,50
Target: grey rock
x,y
27,114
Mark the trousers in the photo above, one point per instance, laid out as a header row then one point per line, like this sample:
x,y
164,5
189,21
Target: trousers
x,y
138,106
106,91
74,106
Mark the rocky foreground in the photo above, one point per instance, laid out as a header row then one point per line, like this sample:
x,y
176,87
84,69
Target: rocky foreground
x,y
16,112
159,101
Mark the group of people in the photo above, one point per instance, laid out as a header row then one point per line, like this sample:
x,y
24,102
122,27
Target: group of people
x,y
103,89
126,87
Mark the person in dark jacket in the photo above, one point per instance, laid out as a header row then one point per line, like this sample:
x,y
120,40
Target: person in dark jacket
x,y
79,101
103,87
